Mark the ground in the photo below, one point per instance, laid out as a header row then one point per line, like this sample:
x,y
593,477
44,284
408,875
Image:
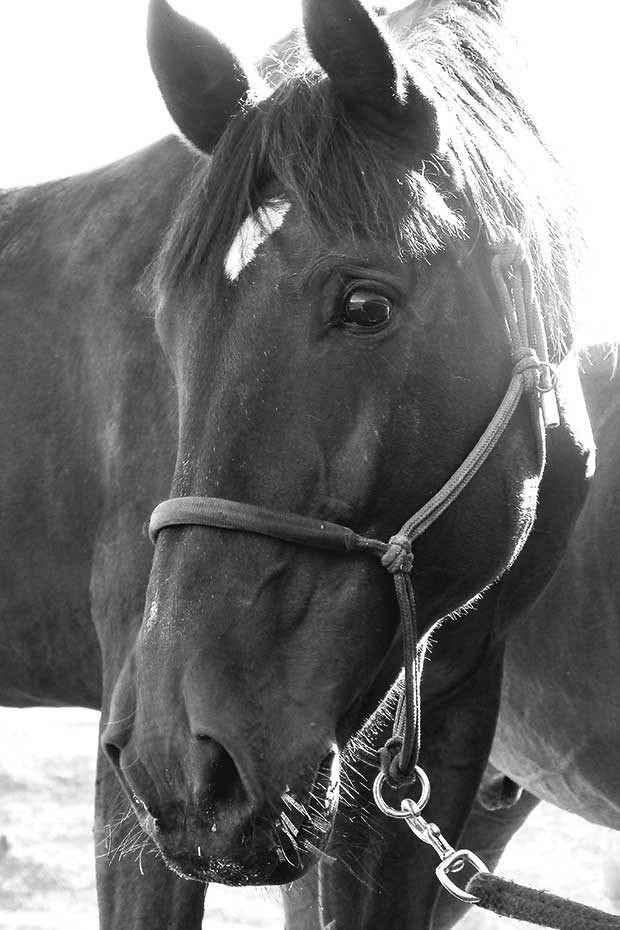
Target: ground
x,y
46,863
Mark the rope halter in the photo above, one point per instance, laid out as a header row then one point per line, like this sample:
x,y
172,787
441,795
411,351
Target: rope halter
x,y
531,374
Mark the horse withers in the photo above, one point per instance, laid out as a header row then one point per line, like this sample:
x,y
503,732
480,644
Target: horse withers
x,y
294,310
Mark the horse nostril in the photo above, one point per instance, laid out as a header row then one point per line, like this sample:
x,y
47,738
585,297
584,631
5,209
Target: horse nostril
x,y
114,738
113,753
216,778
211,757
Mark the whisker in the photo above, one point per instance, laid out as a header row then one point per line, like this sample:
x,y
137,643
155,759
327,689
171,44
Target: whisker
x,y
320,853
139,859
292,802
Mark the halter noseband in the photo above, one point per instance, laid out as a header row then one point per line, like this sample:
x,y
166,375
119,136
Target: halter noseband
x,y
531,374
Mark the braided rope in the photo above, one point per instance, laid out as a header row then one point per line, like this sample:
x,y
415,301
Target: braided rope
x,y
511,272
509,899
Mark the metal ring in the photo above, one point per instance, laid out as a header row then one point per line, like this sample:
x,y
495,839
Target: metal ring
x,y
454,862
425,793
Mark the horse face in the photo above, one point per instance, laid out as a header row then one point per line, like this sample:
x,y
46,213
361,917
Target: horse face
x,y
335,376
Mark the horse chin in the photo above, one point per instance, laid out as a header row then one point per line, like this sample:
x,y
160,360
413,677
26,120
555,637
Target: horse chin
x,y
229,871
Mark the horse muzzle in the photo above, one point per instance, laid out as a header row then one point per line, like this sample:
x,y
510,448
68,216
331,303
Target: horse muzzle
x,y
217,824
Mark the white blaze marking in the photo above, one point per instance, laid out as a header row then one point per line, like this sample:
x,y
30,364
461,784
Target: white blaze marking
x,y
254,230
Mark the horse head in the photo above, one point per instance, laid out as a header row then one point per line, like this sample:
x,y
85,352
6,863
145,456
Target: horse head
x,y
324,300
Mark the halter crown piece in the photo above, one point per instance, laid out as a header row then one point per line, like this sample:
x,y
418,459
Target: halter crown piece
x,y
531,375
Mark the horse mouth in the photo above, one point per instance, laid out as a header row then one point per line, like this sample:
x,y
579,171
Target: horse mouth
x,y
274,849
229,871
223,870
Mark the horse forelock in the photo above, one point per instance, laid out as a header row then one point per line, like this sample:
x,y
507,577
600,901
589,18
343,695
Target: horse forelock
x,y
346,177
356,178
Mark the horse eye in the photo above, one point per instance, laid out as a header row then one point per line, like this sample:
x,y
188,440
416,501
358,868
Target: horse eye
x,y
366,309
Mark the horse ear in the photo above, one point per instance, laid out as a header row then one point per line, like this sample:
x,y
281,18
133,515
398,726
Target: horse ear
x,y
201,81
347,40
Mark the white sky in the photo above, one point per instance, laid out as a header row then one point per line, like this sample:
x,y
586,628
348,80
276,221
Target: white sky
x,y
76,91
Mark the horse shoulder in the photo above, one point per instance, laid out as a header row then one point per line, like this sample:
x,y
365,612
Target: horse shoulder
x,y
82,368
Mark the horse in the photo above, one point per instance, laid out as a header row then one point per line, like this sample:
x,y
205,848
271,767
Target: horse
x,y
292,308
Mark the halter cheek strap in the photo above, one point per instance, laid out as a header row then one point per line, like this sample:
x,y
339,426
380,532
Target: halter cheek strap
x,y
531,375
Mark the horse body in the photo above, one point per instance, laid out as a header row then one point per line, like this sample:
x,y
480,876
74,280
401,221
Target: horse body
x,y
558,729
297,315
87,403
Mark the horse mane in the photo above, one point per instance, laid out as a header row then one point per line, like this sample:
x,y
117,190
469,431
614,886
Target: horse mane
x,y
347,173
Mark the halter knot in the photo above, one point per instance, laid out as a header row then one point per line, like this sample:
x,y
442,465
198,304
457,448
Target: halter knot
x,y
526,363
389,760
398,557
